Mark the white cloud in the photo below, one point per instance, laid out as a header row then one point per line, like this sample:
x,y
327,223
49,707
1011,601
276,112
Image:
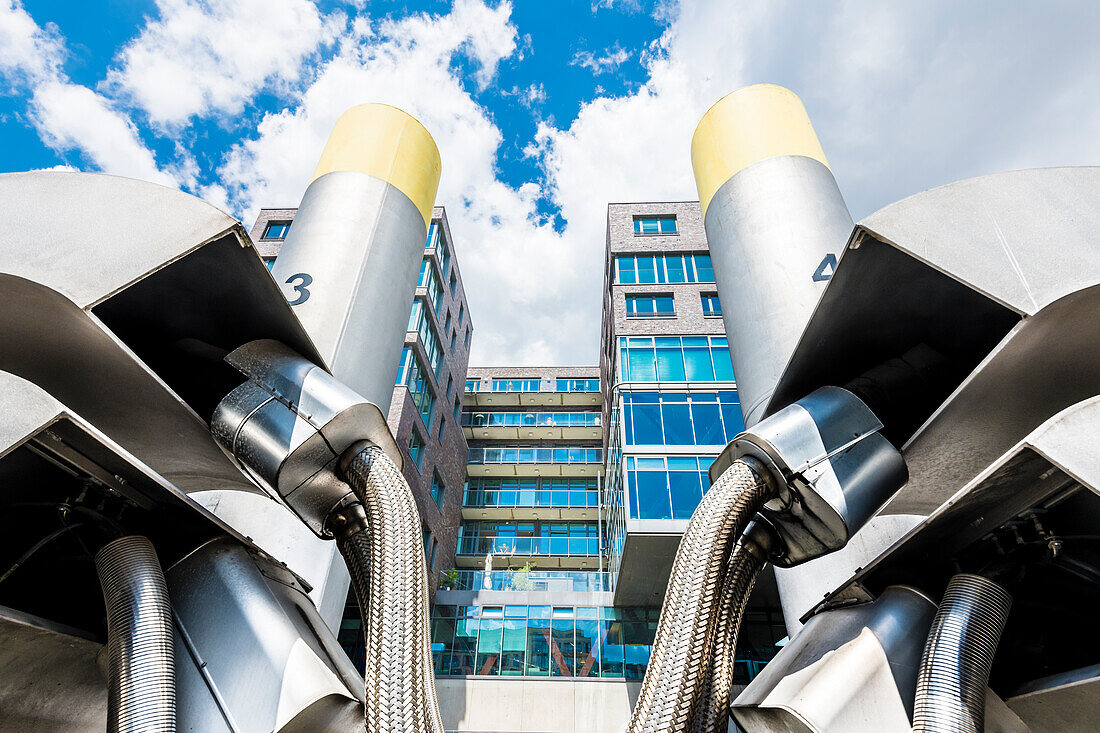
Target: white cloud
x,y
610,60
69,116
518,270
205,57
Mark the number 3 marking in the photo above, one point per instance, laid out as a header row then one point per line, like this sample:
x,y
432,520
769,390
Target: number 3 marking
x,y
302,288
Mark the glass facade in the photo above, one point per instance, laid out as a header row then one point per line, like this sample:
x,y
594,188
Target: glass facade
x,y
674,359
438,241
565,539
420,322
430,280
660,224
473,385
516,385
531,419
681,418
411,373
542,641
665,487
532,492
649,306
572,581
666,268
578,385
532,454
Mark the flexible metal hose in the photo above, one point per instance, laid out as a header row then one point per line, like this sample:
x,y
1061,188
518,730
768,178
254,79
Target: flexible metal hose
x,y
680,661
141,684
748,558
958,656
386,560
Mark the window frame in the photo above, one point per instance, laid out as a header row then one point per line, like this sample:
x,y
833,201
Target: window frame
x,y
660,220
271,224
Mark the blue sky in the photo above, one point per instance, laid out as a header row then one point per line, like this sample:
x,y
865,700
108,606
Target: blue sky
x,y
543,111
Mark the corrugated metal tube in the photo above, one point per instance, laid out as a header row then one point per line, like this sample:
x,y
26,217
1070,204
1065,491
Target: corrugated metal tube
x,y
958,656
141,685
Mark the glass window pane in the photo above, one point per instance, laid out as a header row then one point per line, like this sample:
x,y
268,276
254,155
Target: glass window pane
x,y
703,270
653,499
674,264
677,424
686,493
670,364
698,365
734,422
562,661
723,367
647,424
708,424
668,226
646,271
642,367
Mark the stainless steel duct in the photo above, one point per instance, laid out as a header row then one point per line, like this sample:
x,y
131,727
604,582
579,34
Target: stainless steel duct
x,y
141,685
958,656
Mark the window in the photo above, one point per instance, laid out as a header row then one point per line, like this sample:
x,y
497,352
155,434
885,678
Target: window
x,y
516,385
438,240
428,279
473,385
442,424
664,224
450,384
530,537
467,337
437,489
560,492
421,323
660,269
570,419
453,282
454,335
416,448
426,537
269,261
681,418
649,306
276,230
412,374
461,312
431,556
666,487
447,323
578,385
457,408
711,306
674,359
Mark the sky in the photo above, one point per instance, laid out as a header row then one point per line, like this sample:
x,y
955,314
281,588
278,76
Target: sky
x,y
544,110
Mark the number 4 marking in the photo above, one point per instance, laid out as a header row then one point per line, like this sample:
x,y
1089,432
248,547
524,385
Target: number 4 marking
x,y
824,271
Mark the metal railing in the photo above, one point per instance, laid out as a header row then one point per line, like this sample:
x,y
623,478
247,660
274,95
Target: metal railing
x,y
556,546
562,498
530,419
527,580
528,454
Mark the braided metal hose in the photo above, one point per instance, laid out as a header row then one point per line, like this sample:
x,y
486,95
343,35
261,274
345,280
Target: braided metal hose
x,y
386,560
141,679
958,656
680,661
748,558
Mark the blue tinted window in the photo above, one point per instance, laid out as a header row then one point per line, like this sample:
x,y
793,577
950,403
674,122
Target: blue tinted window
x,y
704,272
711,306
686,492
674,267
416,448
676,419
276,230
649,306
723,367
665,224
647,273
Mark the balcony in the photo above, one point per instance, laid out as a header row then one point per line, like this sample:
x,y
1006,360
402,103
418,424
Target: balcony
x,y
531,503
484,425
553,552
542,393
562,581
532,461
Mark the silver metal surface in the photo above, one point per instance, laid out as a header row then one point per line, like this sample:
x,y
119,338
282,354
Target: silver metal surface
x,y
390,577
849,670
289,424
359,242
958,656
772,229
679,664
1053,458
141,679
122,282
833,467
252,652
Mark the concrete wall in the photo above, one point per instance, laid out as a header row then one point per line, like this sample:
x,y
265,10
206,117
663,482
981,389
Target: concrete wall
x,y
532,705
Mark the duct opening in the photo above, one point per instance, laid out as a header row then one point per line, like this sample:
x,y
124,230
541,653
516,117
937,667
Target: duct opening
x,y
184,318
898,332
61,478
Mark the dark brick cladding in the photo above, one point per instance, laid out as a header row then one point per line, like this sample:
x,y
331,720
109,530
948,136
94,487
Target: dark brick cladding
x,y
444,450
